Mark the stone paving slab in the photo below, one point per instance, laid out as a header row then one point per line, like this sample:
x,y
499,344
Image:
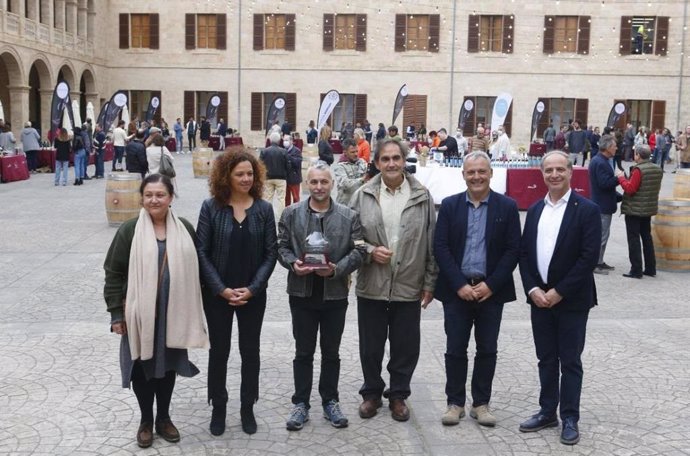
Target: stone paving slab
x,y
59,375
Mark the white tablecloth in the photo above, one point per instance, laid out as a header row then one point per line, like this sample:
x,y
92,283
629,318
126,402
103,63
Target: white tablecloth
x,y
443,182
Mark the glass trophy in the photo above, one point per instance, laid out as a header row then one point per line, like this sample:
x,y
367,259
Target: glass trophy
x,y
315,248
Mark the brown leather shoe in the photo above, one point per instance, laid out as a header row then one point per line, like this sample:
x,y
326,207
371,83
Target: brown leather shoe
x,y
370,407
399,410
167,430
145,435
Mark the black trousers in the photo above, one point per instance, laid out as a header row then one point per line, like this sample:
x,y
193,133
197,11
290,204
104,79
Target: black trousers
x,y
637,228
307,319
192,142
146,390
250,317
399,323
459,318
559,339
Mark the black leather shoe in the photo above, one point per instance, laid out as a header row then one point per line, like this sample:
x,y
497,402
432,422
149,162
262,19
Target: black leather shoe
x,y
217,426
247,418
630,275
539,422
570,434
649,274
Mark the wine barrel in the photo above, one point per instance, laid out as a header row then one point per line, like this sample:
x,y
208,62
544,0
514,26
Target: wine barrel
x,y
681,184
671,234
122,198
202,160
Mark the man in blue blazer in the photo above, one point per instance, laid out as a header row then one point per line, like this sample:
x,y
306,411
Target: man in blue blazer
x,y
476,246
559,251
603,183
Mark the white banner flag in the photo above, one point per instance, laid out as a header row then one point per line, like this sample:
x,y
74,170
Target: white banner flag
x,y
501,107
331,99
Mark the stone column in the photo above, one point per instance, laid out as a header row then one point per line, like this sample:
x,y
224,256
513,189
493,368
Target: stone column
x,y
47,12
82,18
46,101
71,16
91,26
19,110
60,14
32,10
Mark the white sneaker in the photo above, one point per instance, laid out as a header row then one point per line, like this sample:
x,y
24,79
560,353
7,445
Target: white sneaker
x,y
453,415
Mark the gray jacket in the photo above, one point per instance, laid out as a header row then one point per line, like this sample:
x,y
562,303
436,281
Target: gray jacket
x,y
30,139
349,177
346,249
416,269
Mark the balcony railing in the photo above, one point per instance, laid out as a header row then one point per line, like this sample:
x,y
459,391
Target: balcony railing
x,y
13,24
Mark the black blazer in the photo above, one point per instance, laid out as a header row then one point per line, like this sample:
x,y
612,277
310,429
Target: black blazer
x,y
502,246
571,271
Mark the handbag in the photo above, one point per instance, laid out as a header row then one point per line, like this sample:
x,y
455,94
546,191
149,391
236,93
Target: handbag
x,y
166,167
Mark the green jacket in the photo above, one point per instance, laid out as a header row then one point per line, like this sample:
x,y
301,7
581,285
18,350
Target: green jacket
x,y
644,202
117,267
416,269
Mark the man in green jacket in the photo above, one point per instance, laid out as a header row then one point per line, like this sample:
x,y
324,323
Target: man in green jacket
x,y
399,272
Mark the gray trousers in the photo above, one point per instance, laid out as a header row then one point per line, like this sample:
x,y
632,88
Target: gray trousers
x,y
605,230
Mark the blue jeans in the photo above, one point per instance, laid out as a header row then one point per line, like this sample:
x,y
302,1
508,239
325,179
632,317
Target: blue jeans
x,y
61,167
99,162
117,159
178,141
459,317
79,164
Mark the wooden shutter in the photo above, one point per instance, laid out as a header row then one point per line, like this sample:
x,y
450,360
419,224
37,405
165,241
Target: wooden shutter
x,y
360,108
508,31
258,37
581,111
471,120
290,35
328,32
473,33
661,42
124,31
189,32
434,32
549,34
361,31
400,32
154,31
583,34
291,109
414,110
625,45
545,120
223,108
189,110
257,109
658,114
221,32
157,116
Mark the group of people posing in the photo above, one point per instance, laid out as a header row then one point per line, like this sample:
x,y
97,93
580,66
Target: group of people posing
x,y
404,256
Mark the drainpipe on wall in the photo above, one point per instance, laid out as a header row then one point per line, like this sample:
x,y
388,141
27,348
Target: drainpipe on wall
x,y
239,66
452,68
680,71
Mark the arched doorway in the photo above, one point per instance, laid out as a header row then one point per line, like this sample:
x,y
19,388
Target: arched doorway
x,y
87,92
10,76
66,74
39,96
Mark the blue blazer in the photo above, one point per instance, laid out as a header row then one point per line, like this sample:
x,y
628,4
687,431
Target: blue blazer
x,y
502,247
571,271
603,183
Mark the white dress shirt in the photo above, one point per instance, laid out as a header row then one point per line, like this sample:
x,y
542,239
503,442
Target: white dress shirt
x,y
547,232
393,202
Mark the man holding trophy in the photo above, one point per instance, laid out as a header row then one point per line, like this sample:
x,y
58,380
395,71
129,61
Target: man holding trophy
x,y
320,243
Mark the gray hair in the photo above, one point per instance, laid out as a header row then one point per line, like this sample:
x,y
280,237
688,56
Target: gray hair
x,y
557,152
320,165
359,132
27,124
606,141
477,154
274,137
643,151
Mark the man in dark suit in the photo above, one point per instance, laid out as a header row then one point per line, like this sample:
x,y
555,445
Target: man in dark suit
x,y
476,246
559,251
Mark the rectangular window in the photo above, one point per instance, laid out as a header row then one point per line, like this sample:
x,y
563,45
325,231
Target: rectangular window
x,y
261,103
491,33
138,31
560,112
352,108
566,34
139,103
644,35
195,104
345,31
417,32
274,31
414,112
481,114
274,27
141,30
205,31
643,113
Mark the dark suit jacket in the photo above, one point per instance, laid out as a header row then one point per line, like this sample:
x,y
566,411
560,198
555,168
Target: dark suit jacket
x,y
502,246
574,258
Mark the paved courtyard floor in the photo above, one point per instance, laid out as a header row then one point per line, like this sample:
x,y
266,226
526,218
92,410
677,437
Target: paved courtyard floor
x,y
59,375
